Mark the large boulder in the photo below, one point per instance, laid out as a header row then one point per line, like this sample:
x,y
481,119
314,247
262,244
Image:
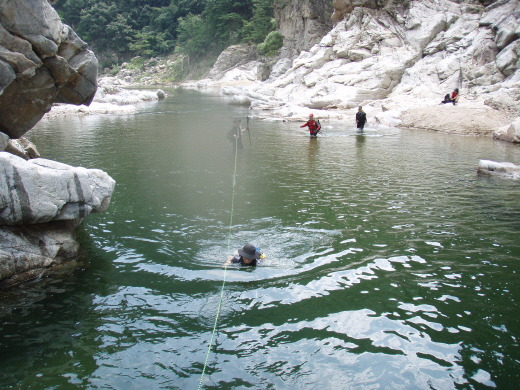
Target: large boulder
x,y
509,133
39,190
42,202
28,252
42,61
233,57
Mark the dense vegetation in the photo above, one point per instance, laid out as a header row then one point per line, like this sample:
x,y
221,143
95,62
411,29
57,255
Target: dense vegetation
x,y
129,28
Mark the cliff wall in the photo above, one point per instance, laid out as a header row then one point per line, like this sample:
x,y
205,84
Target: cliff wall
x,y
302,23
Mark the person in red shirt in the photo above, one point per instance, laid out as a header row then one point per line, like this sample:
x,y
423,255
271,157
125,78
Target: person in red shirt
x,y
455,96
314,126
451,98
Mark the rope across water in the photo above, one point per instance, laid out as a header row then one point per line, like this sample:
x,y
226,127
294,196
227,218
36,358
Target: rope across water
x,y
219,306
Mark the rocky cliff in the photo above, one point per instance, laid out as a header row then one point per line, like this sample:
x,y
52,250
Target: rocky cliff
x,y
302,24
398,59
42,62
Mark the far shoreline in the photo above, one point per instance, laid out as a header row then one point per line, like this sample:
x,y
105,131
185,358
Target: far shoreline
x,y
468,118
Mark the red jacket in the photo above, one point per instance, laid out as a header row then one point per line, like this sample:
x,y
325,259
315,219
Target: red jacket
x,y
313,125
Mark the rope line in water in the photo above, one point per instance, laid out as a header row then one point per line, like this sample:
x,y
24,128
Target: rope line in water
x,y
219,306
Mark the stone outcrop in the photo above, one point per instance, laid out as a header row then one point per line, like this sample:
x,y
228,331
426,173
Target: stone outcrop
x,y
42,61
42,202
503,169
28,252
509,133
302,23
41,190
233,57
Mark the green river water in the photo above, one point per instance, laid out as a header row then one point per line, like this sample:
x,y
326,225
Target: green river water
x,y
390,264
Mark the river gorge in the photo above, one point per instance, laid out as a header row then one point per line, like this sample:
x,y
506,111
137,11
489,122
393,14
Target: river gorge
x,y
390,263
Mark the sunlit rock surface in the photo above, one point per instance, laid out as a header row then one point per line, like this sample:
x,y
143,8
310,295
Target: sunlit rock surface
x,y
42,61
41,190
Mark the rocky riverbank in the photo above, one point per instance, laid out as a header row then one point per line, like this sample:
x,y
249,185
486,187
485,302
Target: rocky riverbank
x,y
113,96
397,60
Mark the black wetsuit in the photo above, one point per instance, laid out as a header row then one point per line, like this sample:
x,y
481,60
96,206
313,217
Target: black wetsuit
x,y
238,259
361,119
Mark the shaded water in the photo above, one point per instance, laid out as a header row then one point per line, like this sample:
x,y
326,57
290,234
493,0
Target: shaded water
x,y
390,263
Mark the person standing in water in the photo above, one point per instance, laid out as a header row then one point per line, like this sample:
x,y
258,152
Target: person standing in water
x,y
361,118
235,134
314,126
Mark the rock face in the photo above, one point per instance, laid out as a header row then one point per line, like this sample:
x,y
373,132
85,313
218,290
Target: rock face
x,y
42,202
423,51
27,252
42,61
302,23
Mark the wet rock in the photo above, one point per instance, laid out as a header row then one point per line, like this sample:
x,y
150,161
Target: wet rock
x,y
503,169
27,252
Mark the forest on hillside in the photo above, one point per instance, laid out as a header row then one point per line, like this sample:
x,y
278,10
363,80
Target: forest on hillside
x,y
198,28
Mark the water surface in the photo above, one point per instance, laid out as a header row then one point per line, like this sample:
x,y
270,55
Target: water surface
x,y
390,263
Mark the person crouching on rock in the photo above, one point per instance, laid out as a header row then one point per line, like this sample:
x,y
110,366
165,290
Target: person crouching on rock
x,y
314,126
248,255
451,98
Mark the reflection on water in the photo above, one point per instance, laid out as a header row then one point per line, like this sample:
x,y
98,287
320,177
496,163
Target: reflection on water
x,y
390,263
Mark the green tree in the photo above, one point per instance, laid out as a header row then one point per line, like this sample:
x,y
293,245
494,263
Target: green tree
x,y
262,22
149,43
192,35
149,27
94,22
225,19
273,42
70,10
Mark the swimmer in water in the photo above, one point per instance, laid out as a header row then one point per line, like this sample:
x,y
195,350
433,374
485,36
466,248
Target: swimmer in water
x,y
248,255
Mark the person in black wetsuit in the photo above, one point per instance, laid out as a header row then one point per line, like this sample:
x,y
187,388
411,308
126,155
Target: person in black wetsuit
x,y
248,255
235,134
361,118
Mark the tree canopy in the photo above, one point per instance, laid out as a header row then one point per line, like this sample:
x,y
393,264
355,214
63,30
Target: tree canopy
x,y
157,27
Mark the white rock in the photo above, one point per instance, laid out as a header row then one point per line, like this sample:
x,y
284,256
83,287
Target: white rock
x,y
504,169
510,133
40,190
